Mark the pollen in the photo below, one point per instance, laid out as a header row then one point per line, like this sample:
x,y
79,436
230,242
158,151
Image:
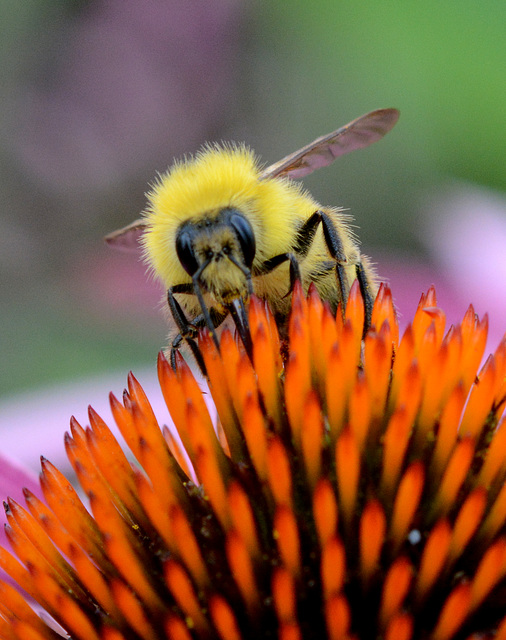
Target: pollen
x,y
351,487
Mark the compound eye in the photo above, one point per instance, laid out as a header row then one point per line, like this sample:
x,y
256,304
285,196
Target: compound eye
x,y
246,236
185,253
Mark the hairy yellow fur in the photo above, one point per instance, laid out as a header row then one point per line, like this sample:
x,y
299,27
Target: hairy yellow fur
x,y
220,177
219,227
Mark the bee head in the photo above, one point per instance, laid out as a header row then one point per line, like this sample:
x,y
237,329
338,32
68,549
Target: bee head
x,y
218,251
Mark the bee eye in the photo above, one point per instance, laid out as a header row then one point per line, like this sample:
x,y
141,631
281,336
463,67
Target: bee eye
x,y
185,253
245,235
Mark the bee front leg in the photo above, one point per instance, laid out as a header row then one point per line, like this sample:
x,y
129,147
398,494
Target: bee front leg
x,y
176,345
188,331
177,312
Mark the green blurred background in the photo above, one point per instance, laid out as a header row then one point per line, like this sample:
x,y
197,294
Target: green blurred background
x,y
99,96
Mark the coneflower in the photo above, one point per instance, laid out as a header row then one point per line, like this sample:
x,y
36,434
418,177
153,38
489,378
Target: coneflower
x,y
356,491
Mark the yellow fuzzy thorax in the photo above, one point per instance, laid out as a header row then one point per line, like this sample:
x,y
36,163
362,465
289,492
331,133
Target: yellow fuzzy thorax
x,y
216,178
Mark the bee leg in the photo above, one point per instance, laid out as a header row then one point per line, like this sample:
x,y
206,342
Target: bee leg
x,y
197,323
188,330
305,238
195,288
272,263
365,289
176,344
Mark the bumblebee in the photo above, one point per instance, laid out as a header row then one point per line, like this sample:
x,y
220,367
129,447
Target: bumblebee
x,y
218,227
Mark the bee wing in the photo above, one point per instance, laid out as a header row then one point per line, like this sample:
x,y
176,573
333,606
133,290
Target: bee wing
x,y
323,151
128,237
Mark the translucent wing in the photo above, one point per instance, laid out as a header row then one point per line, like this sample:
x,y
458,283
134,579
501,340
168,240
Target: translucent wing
x,y
128,237
323,151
